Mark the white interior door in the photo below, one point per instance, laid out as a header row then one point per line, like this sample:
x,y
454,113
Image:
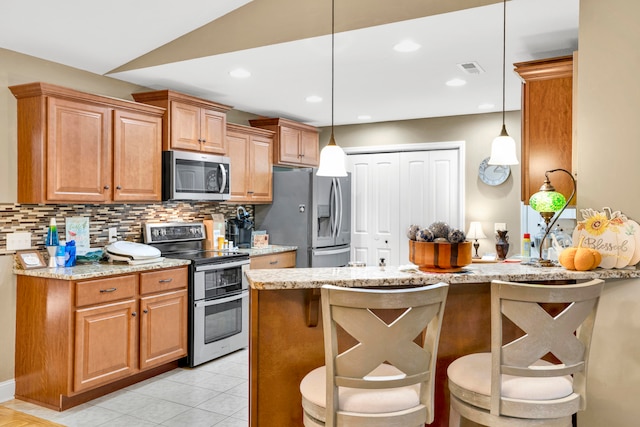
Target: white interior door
x,y
392,190
429,191
374,213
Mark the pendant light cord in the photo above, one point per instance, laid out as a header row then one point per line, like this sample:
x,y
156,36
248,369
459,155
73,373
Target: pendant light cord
x,y
504,54
333,32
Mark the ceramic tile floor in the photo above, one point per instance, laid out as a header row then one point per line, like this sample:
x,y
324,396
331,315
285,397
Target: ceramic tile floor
x,y
212,394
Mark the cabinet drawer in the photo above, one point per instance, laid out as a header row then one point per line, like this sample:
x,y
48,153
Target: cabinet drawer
x,y
279,260
163,280
98,291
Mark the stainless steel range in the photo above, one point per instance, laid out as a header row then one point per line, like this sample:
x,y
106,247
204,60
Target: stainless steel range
x,y
218,289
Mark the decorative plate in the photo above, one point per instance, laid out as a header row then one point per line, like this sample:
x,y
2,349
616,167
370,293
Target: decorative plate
x,y
493,174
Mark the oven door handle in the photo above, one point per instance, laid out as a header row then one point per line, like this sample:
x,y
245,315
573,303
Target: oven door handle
x,y
221,266
207,303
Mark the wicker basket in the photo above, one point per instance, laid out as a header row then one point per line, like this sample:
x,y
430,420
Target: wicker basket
x,y
440,257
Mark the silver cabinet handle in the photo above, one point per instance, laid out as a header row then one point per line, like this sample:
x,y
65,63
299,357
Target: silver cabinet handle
x,y
165,281
274,262
103,291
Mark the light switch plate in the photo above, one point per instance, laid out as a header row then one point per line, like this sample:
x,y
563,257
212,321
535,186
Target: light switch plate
x,y
18,241
499,226
113,234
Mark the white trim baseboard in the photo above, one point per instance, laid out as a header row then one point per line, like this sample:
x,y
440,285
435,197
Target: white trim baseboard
x,y
7,390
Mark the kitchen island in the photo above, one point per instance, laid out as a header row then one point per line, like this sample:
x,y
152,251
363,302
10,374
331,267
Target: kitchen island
x,y
287,339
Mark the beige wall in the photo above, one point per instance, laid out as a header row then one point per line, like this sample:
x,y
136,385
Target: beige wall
x,y
608,152
484,203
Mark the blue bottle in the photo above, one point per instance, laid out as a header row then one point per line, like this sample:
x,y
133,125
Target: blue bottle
x,y
60,254
70,253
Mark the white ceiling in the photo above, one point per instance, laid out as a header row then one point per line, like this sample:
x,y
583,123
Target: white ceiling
x,y
370,77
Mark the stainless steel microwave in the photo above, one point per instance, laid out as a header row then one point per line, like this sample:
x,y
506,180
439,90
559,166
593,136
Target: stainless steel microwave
x,y
195,176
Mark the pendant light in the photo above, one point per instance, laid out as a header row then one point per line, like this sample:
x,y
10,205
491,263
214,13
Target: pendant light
x,y
332,157
503,148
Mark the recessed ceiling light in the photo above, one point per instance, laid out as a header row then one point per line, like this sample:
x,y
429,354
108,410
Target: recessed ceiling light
x,y
364,117
486,106
239,73
313,98
406,46
456,82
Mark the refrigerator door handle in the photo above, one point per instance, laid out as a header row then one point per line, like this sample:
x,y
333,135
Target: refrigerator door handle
x,y
322,252
340,210
335,211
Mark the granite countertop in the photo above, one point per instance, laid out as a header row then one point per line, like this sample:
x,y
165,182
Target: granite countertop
x,y
308,278
268,250
99,269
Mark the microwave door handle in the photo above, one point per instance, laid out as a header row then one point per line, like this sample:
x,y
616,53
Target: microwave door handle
x,y
224,177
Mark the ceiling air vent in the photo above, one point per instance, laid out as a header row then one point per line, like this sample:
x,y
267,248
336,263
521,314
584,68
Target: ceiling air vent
x,y
471,68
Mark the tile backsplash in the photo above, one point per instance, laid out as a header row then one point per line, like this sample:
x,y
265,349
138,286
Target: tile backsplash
x,y
127,218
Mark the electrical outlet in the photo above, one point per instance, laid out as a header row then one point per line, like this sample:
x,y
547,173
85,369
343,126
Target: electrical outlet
x,y
17,241
113,234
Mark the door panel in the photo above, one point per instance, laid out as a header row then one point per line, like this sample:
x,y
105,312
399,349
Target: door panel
x,y
394,190
374,207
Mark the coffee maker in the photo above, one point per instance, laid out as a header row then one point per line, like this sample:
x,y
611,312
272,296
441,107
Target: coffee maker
x,y
240,229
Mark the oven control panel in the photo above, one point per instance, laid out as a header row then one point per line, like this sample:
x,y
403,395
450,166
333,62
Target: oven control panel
x,y
173,232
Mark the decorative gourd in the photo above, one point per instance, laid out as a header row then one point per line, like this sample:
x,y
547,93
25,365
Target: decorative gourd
x,y
566,258
611,234
579,258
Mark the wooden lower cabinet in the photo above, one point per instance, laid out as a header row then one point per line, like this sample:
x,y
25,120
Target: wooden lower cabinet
x,y
77,340
277,260
105,342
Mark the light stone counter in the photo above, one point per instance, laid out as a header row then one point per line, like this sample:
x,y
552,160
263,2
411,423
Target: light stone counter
x,y
270,249
308,278
92,270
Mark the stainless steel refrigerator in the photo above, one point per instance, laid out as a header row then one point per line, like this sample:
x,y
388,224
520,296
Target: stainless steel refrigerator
x,y
312,213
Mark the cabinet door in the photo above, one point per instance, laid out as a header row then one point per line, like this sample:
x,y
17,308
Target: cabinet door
x,y
163,328
137,157
105,344
289,146
213,132
78,151
185,127
310,151
238,152
260,164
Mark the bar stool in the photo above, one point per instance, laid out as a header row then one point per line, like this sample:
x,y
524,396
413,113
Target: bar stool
x,y
513,385
386,379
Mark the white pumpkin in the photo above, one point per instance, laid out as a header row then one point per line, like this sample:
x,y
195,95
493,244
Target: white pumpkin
x,y
611,234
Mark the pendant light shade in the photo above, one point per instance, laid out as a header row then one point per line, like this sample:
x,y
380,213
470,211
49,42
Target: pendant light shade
x,y
332,157
503,148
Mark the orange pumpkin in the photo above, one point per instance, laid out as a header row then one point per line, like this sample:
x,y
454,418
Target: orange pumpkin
x,y
579,258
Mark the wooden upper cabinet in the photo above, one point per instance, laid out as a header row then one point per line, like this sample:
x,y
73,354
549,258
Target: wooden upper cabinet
x,y
295,144
191,123
137,157
547,104
250,152
78,152
78,147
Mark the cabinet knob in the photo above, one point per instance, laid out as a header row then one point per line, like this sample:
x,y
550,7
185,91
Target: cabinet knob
x,y
199,139
204,141
145,311
106,187
134,314
118,187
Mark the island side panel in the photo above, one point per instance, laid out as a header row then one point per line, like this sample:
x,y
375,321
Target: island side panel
x,y
283,349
